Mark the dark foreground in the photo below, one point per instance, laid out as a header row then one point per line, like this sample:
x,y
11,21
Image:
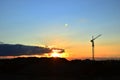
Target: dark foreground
x,y
58,69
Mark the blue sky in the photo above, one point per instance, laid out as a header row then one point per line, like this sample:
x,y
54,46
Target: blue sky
x,y
41,21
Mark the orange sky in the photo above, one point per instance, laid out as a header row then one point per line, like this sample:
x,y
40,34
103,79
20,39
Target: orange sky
x,y
67,24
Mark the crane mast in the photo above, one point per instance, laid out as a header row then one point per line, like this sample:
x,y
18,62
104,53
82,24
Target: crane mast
x,y
92,41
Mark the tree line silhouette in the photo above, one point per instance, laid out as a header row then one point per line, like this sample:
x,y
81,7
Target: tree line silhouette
x,y
59,67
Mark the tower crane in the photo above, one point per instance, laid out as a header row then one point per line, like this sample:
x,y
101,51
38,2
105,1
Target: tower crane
x,y
92,41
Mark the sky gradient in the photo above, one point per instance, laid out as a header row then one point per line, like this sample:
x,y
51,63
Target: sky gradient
x,y
67,24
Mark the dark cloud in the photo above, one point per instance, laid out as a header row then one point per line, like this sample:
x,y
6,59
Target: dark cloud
x,y
18,49
59,50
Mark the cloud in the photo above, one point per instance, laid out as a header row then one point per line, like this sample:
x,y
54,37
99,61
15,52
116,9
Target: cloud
x,y
58,50
83,20
18,49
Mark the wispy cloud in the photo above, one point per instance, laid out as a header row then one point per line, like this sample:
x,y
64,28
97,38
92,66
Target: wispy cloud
x,y
83,20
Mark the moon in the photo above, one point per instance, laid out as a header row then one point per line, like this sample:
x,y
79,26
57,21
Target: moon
x,y
66,25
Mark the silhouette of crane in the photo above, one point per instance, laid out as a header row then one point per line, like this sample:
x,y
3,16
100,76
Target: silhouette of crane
x,y
92,41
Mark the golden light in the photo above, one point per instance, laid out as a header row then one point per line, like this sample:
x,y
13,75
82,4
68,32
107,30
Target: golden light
x,y
56,53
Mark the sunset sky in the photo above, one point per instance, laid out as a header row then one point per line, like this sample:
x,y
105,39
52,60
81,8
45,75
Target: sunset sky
x,y
67,24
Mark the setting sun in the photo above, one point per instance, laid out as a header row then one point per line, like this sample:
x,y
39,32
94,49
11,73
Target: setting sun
x,y
56,53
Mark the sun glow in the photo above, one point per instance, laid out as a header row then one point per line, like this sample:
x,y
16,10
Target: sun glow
x,y
55,53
